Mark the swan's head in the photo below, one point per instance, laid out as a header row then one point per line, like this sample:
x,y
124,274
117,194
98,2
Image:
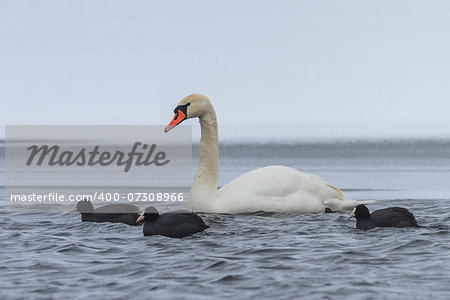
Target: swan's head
x,y
192,106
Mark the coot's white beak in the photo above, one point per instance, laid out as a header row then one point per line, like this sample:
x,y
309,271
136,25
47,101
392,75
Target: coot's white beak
x,y
141,217
74,209
352,215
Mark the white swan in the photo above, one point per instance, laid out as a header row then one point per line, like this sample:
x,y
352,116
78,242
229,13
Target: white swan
x,y
271,189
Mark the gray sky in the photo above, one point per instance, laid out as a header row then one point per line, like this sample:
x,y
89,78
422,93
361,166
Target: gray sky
x,y
302,69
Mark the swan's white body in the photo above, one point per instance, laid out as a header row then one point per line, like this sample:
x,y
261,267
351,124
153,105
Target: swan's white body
x,y
271,189
274,189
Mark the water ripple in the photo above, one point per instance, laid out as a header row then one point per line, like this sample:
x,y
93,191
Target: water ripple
x,y
240,256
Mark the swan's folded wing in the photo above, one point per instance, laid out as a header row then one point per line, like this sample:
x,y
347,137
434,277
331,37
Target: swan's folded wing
x,y
275,188
340,195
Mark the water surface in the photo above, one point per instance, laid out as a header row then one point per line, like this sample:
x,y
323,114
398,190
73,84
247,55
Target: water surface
x,y
264,255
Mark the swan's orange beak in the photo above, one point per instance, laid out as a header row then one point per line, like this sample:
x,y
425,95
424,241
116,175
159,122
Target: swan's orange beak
x,y
179,117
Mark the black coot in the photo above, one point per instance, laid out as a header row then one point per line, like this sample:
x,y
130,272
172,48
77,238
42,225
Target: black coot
x,y
175,224
387,217
114,213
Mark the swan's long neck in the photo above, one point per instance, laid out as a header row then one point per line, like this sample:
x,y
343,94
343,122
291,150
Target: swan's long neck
x,y
204,188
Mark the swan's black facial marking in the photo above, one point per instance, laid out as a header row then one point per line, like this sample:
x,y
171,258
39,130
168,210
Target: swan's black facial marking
x,y
183,108
180,115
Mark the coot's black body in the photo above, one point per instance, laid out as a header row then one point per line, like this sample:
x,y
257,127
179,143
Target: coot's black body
x,y
175,224
113,213
387,217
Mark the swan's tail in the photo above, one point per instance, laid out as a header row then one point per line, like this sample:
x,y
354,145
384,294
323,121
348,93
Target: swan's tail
x,y
338,204
342,203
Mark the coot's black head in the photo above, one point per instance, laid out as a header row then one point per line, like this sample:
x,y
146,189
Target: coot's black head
x,y
360,212
84,206
150,214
